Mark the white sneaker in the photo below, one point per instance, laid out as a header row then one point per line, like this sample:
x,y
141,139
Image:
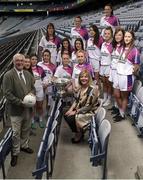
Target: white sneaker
x,y
107,102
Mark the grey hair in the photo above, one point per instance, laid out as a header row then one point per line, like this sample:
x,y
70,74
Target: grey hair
x,y
18,55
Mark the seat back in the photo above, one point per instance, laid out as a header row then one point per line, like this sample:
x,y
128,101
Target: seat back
x,y
40,156
140,95
137,85
103,133
59,104
6,145
101,113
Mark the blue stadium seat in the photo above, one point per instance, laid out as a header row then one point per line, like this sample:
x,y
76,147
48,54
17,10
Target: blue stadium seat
x,y
103,138
5,149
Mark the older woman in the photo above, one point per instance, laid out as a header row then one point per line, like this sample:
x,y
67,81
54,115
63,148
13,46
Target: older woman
x,y
83,107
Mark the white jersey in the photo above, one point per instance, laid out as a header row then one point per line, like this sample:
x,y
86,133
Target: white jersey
x,y
111,21
52,46
74,58
106,50
46,69
59,57
92,50
115,57
62,72
124,66
75,74
79,33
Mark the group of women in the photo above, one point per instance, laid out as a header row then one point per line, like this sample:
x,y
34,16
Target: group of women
x,y
90,55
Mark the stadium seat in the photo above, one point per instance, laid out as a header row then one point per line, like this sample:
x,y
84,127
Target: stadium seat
x,y
44,159
5,149
103,138
95,122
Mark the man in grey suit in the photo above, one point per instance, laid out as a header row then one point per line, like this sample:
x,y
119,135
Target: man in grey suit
x,y
16,84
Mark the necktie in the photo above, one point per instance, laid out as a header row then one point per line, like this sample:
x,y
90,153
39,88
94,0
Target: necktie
x,y
21,78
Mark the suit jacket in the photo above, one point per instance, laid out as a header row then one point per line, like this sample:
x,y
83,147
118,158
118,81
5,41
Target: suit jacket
x,y
14,90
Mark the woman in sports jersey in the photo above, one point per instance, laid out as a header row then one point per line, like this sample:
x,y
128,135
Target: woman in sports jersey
x,y
108,19
65,71
127,66
79,31
82,65
78,45
117,43
49,69
51,42
93,49
65,48
105,62
39,76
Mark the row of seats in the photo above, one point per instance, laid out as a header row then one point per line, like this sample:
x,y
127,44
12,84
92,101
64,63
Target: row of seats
x,y
135,108
5,149
47,148
99,132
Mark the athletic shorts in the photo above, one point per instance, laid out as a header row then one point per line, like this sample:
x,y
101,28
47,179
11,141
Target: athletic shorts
x,y
40,95
113,77
125,82
95,64
104,70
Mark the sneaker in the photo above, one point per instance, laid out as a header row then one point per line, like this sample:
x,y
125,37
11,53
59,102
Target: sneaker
x,y
41,124
13,160
27,150
107,102
119,118
115,111
33,125
112,108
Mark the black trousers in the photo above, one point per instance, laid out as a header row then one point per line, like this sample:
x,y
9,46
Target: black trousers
x,y
71,122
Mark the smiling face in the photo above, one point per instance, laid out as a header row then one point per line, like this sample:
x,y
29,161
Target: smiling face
x,y
34,60
65,44
119,36
81,57
77,22
84,79
65,59
107,35
78,45
18,61
128,38
107,11
92,32
46,57
50,30
27,63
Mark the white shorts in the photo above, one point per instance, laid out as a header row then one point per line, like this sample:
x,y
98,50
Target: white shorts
x,y
125,82
95,64
113,77
104,70
40,95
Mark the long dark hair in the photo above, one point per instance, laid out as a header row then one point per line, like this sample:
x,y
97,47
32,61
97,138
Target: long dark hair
x,y
69,47
132,43
82,45
47,51
97,35
114,43
47,35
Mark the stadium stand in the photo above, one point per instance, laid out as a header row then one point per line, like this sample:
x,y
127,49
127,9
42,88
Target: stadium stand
x,y
22,34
